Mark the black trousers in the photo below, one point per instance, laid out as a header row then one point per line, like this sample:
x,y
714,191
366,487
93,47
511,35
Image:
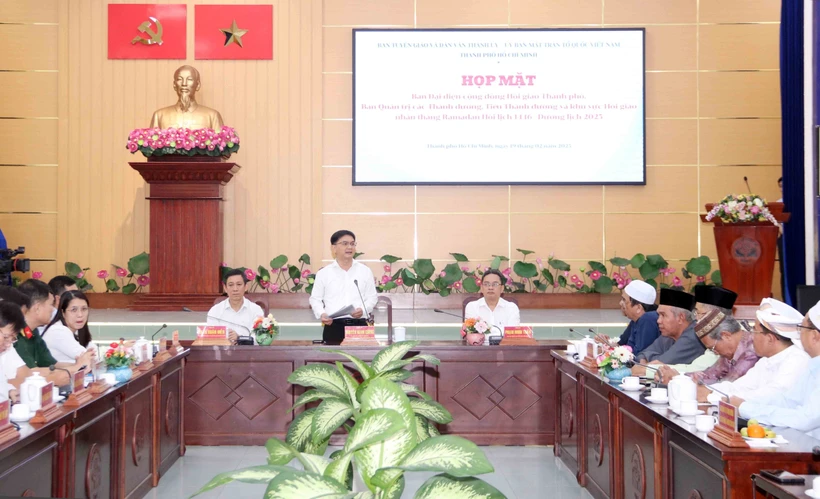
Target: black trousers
x,y
335,333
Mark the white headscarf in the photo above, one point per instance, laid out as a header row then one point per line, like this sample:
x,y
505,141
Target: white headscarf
x,y
776,316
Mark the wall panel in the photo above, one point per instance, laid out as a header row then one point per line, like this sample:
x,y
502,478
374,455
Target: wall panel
x,y
28,94
555,12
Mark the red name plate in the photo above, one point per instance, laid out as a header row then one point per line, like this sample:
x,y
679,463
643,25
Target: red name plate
x,y
590,350
360,332
4,413
727,416
146,357
175,337
46,394
78,381
518,332
210,332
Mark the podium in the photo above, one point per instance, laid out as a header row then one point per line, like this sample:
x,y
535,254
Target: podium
x,y
185,199
746,254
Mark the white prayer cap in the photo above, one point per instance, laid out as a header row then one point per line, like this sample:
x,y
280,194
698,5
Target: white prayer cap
x,y
641,291
814,315
776,316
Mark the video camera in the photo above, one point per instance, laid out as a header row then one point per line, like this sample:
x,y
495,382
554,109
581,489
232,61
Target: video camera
x,y
8,263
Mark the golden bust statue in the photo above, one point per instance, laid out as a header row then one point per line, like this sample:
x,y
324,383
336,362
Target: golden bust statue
x,y
186,113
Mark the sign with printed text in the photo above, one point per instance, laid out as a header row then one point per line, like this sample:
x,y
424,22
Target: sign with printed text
x,y
727,416
518,332
211,332
4,413
175,337
46,394
360,332
78,381
146,356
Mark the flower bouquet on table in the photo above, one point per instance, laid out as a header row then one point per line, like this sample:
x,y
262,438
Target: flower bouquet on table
x,y
742,208
118,360
265,329
613,362
473,331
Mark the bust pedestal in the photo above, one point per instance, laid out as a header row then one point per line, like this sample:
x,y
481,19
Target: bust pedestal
x,y
186,195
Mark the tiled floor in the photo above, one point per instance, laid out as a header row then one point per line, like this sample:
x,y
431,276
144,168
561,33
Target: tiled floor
x,y
520,473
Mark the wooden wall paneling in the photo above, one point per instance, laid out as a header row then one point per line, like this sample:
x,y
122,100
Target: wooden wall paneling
x,y
694,471
638,464
95,460
137,436
567,424
597,442
170,421
37,459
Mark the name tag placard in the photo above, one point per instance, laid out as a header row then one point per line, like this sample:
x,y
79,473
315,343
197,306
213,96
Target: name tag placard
x,y
210,335
518,335
46,394
4,413
360,335
78,381
7,431
725,431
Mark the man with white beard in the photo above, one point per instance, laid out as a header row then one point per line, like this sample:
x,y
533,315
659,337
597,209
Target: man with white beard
x,y
187,113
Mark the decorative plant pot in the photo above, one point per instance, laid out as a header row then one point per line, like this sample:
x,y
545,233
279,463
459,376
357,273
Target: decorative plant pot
x,y
474,339
265,339
121,374
617,375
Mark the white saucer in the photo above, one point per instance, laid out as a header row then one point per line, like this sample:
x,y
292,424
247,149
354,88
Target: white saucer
x,y
812,493
689,414
632,388
658,401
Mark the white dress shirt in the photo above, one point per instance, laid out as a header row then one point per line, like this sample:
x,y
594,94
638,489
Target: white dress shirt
x,y
334,289
62,344
798,407
505,314
10,361
240,321
771,375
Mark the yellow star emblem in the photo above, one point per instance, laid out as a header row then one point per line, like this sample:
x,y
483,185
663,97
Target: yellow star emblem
x,y
234,34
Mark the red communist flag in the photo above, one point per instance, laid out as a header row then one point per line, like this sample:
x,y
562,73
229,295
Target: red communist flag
x,y
233,32
146,31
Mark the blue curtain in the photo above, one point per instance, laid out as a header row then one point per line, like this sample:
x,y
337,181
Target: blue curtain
x,y
791,103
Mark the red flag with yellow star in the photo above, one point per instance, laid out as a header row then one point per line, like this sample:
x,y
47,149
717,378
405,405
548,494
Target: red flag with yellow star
x,y
233,32
147,31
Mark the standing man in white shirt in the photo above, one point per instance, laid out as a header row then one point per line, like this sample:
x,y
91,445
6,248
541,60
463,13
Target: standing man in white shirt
x,y
498,312
343,283
236,312
781,361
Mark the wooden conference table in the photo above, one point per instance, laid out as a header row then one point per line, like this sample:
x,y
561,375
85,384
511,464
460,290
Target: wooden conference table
x,y
117,444
500,395
620,446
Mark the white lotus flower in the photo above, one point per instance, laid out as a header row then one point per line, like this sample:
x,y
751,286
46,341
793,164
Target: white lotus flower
x,y
481,327
266,323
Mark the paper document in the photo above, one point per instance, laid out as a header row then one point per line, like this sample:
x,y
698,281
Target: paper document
x,y
349,309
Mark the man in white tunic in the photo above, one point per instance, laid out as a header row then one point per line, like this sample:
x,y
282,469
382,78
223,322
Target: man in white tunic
x,y
798,406
236,313
498,312
781,361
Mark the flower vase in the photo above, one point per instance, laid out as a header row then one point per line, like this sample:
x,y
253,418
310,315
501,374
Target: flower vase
x,y
617,375
474,339
264,339
121,374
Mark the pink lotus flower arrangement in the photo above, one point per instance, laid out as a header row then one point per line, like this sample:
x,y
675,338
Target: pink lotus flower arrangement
x,y
614,358
183,141
742,208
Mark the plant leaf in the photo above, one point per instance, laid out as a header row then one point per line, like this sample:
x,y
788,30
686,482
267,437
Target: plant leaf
x,y
357,254
470,286
562,281
495,263
619,262
525,269
559,265
72,269
305,258
421,428
452,273
263,273
339,467
313,463
299,430
451,454
408,389
358,363
652,283
600,267
140,264
524,252
295,484
317,448
547,275
460,257
637,260
700,266
649,271
658,261
395,489
111,285
395,375
329,416
254,474
457,488
129,288
424,268
279,452
717,279
279,262
311,396
321,376
432,430
431,410
390,259
604,285
394,352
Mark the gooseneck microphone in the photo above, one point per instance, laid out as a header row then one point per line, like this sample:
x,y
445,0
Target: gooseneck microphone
x,y
154,346
366,314
158,330
440,311
53,367
746,179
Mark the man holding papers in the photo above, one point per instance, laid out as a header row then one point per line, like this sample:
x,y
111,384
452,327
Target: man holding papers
x,y
341,290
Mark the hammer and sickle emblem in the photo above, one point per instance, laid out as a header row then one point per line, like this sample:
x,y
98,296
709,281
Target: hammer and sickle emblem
x,y
154,37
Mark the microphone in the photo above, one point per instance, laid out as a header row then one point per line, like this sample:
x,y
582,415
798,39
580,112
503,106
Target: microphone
x,y
577,333
186,309
816,450
53,367
440,311
366,314
746,179
158,330
155,347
